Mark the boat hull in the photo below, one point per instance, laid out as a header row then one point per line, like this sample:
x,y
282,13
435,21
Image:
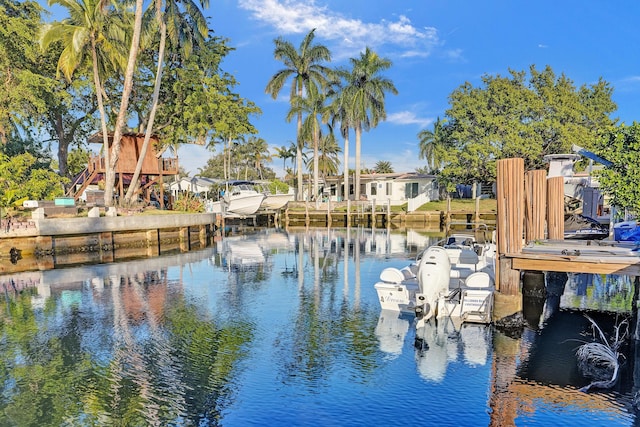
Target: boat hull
x,y
245,204
276,201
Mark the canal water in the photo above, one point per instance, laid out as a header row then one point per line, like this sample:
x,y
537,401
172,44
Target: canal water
x,y
284,329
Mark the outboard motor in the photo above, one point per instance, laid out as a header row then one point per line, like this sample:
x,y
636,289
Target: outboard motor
x,y
433,280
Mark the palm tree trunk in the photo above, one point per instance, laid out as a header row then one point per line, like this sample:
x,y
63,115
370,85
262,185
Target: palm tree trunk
x,y
103,115
299,157
315,165
122,113
345,195
133,187
357,178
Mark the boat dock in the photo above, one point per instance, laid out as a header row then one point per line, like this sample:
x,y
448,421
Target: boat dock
x,y
530,232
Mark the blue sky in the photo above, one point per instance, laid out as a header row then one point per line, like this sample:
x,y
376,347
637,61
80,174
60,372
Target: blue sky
x,y
435,46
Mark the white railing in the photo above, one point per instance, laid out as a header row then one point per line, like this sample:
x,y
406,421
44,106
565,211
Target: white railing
x,y
416,202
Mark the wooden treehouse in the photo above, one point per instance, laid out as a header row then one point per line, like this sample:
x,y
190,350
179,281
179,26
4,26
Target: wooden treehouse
x,y
154,169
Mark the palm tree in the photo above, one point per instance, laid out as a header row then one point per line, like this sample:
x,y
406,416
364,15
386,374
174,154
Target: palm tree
x,y
336,112
258,151
286,153
365,97
305,67
383,166
433,144
313,105
89,29
183,29
329,150
127,87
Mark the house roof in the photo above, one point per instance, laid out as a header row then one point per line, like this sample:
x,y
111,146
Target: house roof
x,y
396,176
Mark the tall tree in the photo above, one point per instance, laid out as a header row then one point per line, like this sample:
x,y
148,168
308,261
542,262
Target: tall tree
x,y
516,116
305,67
258,151
88,31
183,27
313,106
110,174
337,113
364,101
286,153
433,145
328,154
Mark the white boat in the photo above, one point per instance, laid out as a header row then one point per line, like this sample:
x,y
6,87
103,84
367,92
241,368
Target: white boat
x,y
241,199
454,278
276,201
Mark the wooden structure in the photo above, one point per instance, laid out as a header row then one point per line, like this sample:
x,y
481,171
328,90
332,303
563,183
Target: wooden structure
x,y
528,202
154,168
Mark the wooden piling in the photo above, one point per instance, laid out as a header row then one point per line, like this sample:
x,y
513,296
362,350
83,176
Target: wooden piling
x,y
555,208
510,223
535,204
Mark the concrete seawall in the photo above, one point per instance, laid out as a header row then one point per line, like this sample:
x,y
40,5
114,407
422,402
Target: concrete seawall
x,y
55,242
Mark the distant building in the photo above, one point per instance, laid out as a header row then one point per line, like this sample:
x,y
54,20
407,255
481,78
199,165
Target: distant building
x,y
196,185
394,188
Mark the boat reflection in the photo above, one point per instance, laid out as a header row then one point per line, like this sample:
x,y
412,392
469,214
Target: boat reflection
x,y
441,342
391,331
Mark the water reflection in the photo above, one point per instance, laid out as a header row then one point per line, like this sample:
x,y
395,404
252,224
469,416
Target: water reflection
x,y
441,342
284,328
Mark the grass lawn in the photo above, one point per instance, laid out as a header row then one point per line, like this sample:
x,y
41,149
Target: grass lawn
x,y
486,205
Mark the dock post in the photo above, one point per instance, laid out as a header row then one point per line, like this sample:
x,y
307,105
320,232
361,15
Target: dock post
x,y
535,204
555,208
306,213
510,221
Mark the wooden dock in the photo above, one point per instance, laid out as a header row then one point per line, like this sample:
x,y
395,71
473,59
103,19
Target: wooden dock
x,y
530,232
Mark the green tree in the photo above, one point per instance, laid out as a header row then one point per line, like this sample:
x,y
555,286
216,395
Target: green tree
x,y
433,145
258,153
34,101
383,166
328,155
313,105
516,117
336,113
365,98
89,29
305,67
286,153
621,180
21,178
179,24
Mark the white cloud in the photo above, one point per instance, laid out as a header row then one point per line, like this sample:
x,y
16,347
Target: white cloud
x,y
408,118
298,17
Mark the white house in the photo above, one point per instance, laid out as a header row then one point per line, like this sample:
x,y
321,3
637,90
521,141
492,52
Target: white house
x,y
196,185
395,188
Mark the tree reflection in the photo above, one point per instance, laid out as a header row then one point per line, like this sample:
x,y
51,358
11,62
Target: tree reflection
x,y
154,359
326,325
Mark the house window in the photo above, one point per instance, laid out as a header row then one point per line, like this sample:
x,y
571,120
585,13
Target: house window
x,y
411,190
374,189
389,187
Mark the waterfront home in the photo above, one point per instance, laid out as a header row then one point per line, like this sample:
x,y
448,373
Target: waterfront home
x,y
394,188
196,185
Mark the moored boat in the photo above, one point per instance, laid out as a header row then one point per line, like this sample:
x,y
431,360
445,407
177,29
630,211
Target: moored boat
x,y
276,201
241,199
454,278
